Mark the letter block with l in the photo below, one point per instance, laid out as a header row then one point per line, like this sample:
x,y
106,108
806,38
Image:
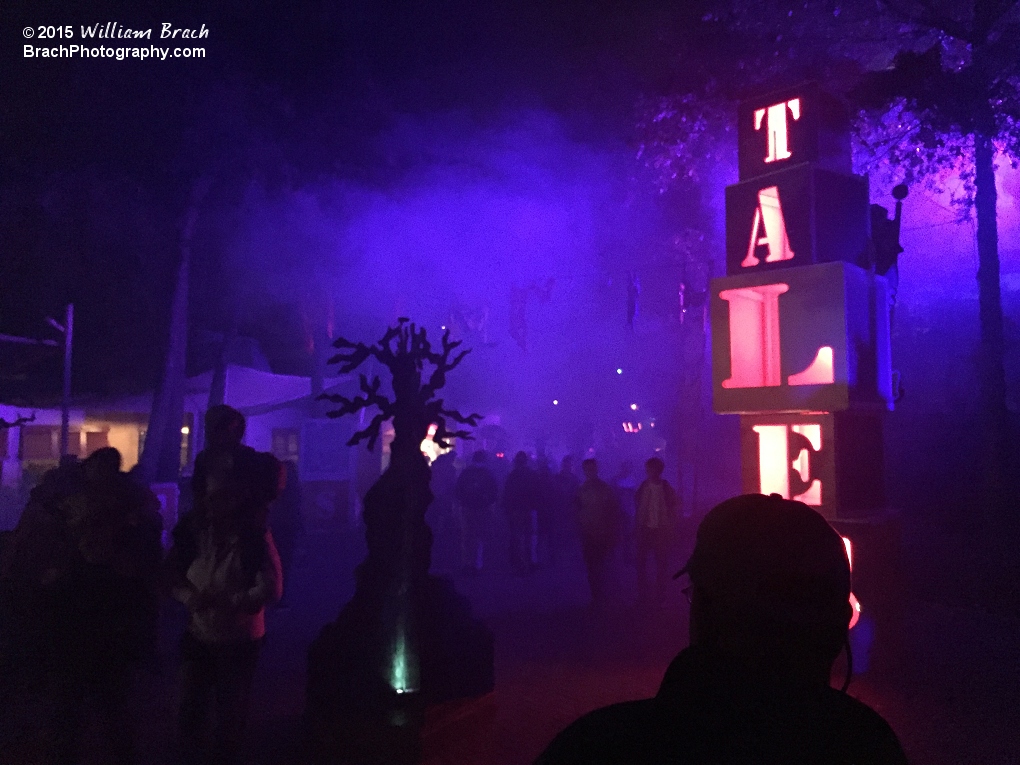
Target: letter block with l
x,y
814,338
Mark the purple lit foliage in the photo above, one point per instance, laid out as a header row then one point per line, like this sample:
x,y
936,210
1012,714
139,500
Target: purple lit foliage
x,y
895,145
977,98
684,137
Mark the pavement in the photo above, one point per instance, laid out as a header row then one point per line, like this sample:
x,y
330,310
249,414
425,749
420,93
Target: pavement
x,y
946,677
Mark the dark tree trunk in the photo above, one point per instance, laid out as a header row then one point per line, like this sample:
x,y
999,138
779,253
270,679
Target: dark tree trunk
x,y
218,385
160,460
995,451
995,455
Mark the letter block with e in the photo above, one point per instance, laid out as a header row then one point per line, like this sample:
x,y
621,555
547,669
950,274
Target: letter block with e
x,y
796,217
831,461
814,338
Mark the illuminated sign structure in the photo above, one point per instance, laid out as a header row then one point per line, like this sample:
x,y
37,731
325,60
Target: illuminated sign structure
x,y
798,125
800,330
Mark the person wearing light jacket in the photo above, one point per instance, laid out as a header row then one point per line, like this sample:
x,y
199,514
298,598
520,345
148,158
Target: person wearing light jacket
x,y
228,575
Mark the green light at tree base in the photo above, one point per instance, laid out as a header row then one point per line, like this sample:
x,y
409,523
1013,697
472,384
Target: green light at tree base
x,y
402,670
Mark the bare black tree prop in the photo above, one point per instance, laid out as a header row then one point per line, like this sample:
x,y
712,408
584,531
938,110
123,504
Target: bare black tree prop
x,y
406,639
414,406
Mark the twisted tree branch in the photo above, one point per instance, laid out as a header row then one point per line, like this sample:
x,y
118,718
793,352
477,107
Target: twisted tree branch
x,y
402,348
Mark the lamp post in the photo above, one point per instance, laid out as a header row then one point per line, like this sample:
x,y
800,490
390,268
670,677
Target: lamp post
x,y
67,328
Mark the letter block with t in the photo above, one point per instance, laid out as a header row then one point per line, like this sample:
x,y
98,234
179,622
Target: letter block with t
x,y
831,461
814,338
781,129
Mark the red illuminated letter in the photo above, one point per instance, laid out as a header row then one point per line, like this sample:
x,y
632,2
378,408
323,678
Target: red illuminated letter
x,y
755,353
768,219
810,441
779,470
754,336
775,127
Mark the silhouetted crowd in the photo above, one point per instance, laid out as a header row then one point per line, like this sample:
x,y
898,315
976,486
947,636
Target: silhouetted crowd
x,y
769,587
84,571
81,578
530,514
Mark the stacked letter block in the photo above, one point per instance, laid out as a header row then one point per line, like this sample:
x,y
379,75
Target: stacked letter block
x,y
800,327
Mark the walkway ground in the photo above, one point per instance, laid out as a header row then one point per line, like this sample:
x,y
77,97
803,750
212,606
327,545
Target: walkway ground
x,y
950,686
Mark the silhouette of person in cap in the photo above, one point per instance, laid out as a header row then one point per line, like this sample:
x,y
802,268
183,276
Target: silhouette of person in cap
x,y
769,592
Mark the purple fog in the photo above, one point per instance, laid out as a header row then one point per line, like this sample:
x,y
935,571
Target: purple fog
x,y
648,224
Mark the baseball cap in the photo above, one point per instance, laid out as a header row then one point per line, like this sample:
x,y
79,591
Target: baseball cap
x,y
781,546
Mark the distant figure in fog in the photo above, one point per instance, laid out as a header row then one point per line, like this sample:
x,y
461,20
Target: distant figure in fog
x,y
444,480
655,525
769,591
443,517
565,486
520,500
545,527
625,483
226,571
599,519
476,492
285,521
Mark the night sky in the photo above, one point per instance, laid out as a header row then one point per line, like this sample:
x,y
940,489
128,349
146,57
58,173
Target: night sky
x,y
98,155
375,159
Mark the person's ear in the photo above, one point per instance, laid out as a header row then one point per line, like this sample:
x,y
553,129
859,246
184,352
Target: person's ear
x,y
848,614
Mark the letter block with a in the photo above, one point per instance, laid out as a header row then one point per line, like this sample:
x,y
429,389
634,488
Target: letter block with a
x,y
814,338
795,217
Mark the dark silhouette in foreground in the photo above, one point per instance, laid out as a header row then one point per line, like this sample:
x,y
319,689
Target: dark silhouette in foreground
x,y
225,569
84,569
769,591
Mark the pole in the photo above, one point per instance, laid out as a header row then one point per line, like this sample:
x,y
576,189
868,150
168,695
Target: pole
x,y
65,403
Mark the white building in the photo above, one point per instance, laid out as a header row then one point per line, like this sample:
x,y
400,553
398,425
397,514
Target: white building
x,y
278,409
